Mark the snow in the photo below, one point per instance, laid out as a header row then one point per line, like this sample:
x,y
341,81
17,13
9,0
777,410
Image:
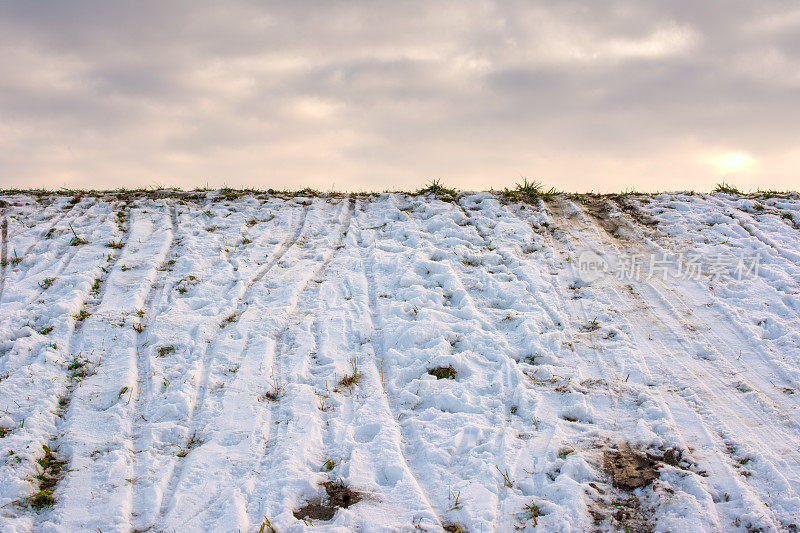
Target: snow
x,y
199,389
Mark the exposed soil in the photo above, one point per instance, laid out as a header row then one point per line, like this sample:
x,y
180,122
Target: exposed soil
x,y
337,495
624,204
599,209
629,469
628,515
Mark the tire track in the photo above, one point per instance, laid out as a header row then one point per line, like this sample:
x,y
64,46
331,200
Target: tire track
x,y
68,380
510,375
146,371
378,342
668,405
64,255
509,362
280,382
782,250
221,419
713,340
207,360
92,418
30,248
706,417
620,399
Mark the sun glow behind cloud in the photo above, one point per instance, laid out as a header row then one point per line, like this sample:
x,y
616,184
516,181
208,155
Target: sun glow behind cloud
x,y
732,162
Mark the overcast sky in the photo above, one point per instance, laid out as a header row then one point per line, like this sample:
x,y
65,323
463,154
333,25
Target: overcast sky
x,y
595,95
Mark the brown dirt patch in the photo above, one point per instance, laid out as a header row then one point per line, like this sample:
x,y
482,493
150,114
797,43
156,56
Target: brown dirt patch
x,y
629,469
599,209
337,495
625,205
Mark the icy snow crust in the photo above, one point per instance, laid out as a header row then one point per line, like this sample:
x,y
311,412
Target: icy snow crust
x,y
159,399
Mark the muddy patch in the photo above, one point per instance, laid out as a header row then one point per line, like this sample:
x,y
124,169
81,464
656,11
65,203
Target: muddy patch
x,y
627,206
629,469
599,209
627,515
337,495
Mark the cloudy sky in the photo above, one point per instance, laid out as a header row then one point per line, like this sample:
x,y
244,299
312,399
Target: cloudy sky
x,y
594,95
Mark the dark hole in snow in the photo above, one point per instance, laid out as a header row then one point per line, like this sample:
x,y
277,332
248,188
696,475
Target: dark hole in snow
x,y
337,495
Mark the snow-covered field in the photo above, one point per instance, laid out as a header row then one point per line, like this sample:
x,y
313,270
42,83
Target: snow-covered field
x,y
203,365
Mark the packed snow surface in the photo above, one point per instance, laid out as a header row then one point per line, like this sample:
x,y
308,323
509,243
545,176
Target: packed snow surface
x,y
203,362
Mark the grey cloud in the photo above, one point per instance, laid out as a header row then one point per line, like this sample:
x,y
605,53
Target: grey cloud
x,y
375,92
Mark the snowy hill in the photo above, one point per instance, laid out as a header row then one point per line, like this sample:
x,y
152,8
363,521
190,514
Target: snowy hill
x,y
200,362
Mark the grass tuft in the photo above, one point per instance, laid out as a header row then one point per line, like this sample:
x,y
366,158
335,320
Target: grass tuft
x,y
266,526
228,320
443,372
186,283
276,389
439,191
79,369
48,479
529,192
507,481
76,241
194,442
348,380
724,187
12,260
165,350
532,512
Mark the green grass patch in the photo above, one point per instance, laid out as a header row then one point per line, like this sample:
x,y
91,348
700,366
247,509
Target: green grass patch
x,y
529,192
184,284
47,479
726,188
165,350
443,372
532,512
76,241
12,260
439,191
